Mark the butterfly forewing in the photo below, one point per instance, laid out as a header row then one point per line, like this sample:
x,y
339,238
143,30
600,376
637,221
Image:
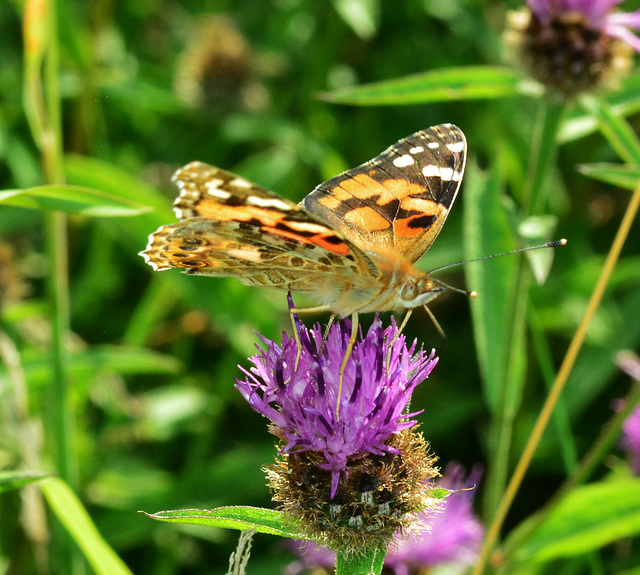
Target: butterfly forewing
x,y
398,201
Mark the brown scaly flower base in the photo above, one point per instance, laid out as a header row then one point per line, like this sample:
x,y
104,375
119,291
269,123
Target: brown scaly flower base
x,y
378,495
566,55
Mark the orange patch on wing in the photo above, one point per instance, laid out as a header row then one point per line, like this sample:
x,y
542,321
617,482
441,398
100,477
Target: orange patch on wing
x,y
366,218
340,193
331,202
363,187
223,213
425,206
402,230
340,249
401,189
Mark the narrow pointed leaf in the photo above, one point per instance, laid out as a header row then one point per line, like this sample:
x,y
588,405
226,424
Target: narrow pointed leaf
x,y
10,480
622,175
615,128
449,84
72,200
588,518
238,517
76,520
487,231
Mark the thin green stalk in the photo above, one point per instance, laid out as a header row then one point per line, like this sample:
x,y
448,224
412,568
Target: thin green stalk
x,y
43,110
558,385
542,155
502,426
57,244
601,447
543,152
560,415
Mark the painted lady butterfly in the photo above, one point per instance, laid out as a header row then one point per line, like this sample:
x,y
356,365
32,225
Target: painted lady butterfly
x,y
350,244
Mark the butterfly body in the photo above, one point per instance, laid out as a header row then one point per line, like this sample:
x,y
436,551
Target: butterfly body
x,y
350,244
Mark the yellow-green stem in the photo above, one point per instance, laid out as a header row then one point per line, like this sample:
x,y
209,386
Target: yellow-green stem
x,y
559,383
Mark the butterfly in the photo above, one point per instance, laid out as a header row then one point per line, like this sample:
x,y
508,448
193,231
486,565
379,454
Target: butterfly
x,y
350,244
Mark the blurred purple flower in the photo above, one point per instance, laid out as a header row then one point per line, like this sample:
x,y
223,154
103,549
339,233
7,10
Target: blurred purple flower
x,y
453,536
573,46
630,440
599,15
378,381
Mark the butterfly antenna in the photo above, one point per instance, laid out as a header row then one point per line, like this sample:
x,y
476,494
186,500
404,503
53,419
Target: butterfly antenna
x,y
554,244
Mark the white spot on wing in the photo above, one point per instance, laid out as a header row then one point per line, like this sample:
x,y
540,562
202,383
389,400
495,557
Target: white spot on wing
x,y
430,171
246,254
416,150
308,227
403,161
457,176
446,174
268,203
433,145
456,148
213,188
240,183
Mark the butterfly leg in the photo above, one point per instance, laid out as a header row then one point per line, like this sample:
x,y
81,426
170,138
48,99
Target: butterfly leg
x,y
326,332
438,327
347,355
405,320
292,314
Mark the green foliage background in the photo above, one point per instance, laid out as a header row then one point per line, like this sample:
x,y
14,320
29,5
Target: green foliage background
x,y
157,423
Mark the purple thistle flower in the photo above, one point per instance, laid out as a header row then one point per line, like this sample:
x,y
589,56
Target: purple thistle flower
x,y
573,46
378,381
454,534
353,481
630,440
598,14
451,537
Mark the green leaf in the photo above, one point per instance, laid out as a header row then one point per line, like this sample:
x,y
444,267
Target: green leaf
x,y
123,360
369,562
472,83
487,231
623,102
363,16
77,522
619,133
236,517
10,480
535,231
73,200
624,176
586,519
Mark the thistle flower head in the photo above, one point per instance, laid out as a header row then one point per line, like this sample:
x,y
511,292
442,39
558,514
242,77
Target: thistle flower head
x,y
451,537
572,46
360,474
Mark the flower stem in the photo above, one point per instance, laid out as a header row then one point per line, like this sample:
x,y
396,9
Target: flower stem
x,y
543,152
560,381
43,110
369,562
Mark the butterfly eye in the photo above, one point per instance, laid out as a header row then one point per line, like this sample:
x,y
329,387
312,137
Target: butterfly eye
x,y
409,291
